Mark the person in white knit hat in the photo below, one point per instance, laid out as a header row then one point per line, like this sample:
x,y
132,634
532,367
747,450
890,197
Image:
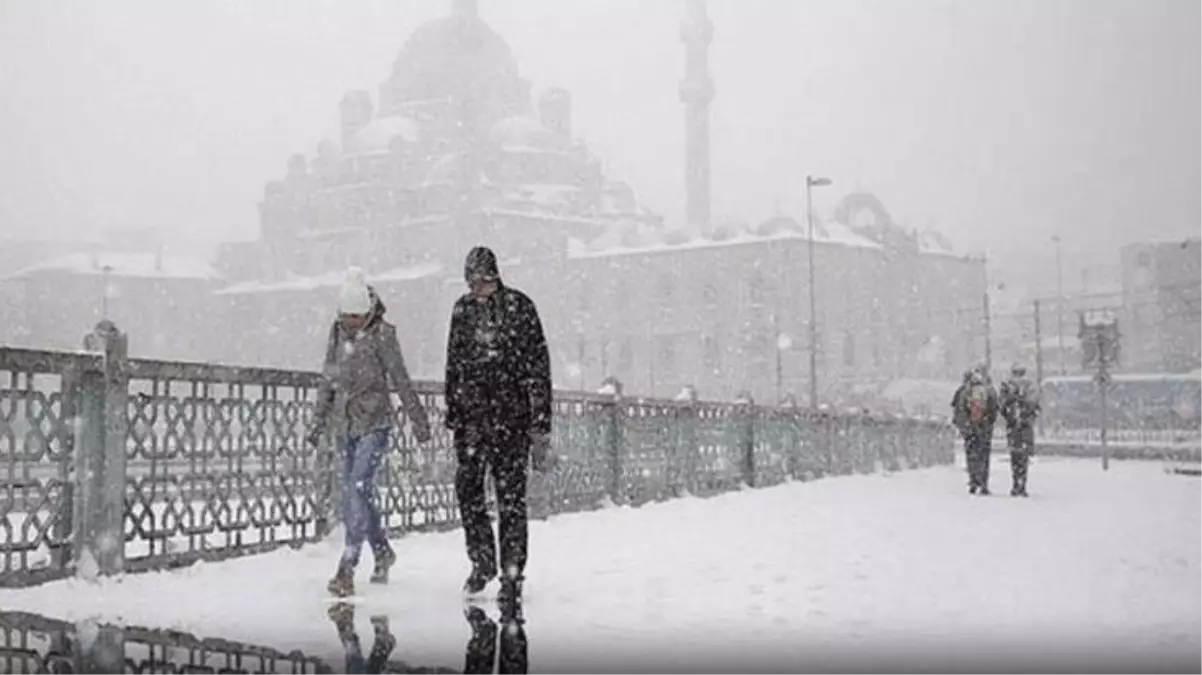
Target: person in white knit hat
x,y
363,366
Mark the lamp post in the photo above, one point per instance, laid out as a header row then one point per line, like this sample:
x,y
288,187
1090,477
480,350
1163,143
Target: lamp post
x,y
104,291
813,182
1059,306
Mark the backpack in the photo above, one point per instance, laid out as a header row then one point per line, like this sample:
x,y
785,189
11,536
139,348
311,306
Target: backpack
x,y
978,399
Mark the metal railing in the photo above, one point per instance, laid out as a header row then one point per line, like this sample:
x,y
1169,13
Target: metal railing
x,y
112,464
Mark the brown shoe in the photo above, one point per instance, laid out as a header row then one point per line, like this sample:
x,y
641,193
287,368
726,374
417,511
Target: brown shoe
x,y
343,582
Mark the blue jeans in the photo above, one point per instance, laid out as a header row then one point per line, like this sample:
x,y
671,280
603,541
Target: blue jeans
x,y
360,501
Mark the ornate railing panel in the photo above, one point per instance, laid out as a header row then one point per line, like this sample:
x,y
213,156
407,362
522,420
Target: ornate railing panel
x,y
216,463
40,396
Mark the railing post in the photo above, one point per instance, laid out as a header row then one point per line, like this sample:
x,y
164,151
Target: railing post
x,y
686,443
101,648
745,419
61,555
612,420
99,494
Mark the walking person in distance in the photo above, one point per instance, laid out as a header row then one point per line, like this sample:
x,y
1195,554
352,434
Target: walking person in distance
x,y
363,366
499,409
978,410
1020,407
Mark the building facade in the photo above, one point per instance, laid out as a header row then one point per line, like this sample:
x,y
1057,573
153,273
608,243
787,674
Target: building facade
x,y
1161,321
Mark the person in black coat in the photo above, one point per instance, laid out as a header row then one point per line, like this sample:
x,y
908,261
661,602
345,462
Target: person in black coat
x,y
498,395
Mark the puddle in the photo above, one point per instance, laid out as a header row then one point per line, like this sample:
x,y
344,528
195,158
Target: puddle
x,y
30,643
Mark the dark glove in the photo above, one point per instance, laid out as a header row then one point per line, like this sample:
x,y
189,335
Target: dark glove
x,y
540,452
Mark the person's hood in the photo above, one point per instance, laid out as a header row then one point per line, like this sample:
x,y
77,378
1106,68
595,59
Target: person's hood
x,y
481,261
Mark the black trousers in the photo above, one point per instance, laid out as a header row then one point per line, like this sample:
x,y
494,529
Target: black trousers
x,y
506,455
1022,444
480,655
977,449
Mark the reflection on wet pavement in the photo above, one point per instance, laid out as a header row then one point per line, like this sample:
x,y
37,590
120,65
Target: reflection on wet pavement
x,y
30,643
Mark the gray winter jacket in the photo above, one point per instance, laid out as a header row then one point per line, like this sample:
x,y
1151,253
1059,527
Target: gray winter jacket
x,y
361,370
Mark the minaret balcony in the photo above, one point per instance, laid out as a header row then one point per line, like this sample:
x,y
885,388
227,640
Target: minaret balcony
x,y
697,90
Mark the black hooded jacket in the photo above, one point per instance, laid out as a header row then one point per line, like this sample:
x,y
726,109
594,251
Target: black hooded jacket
x,y
498,375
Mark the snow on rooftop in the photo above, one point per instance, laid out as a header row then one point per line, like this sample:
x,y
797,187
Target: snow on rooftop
x,y
630,237
139,265
332,279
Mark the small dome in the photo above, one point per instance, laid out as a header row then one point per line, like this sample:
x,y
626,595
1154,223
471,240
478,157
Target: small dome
x,y
380,133
522,132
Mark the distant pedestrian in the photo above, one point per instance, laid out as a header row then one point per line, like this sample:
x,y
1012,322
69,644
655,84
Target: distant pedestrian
x,y
499,407
1020,407
363,366
978,410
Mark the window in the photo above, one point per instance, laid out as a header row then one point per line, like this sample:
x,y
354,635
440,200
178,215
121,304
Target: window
x,y
757,295
709,299
711,353
667,358
625,358
666,290
586,297
621,296
760,358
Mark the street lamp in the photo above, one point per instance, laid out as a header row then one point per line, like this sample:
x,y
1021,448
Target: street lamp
x,y
104,292
813,182
1059,306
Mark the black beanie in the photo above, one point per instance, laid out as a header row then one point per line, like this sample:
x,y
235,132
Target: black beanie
x,y
481,261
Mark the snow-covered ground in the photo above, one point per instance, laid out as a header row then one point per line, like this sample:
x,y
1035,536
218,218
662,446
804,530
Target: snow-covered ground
x,y
1099,571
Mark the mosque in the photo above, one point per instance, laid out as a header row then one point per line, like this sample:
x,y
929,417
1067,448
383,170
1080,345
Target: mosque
x,y
455,149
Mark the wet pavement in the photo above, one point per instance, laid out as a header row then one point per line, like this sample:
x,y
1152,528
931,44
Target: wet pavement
x,y
30,643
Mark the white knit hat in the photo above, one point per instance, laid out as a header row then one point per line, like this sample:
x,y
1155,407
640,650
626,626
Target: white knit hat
x,y
353,297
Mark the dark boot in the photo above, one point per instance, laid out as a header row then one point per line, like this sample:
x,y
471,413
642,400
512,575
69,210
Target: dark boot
x,y
343,616
383,645
509,598
343,582
385,559
477,581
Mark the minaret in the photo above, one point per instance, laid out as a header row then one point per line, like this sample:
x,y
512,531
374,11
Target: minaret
x,y
466,9
696,91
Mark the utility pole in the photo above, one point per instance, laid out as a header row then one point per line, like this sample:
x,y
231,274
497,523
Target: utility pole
x,y
812,182
1059,307
1038,348
988,332
1099,334
1038,361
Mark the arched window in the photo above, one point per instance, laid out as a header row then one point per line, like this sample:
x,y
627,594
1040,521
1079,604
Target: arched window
x,y
709,300
666,290
711,353
757,292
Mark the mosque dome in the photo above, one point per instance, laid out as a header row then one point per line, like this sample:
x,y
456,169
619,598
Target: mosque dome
x,y
454,57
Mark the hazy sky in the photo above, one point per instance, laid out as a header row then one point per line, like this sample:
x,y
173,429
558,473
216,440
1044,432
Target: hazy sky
x,y
995,121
